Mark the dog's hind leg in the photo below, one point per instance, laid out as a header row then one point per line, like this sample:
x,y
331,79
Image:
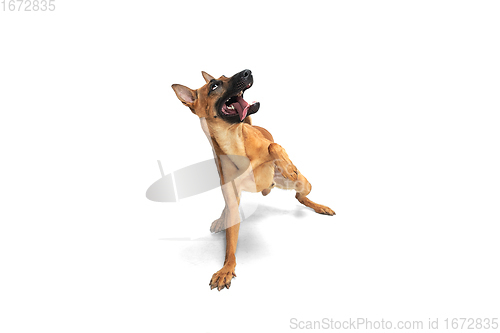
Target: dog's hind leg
x,y
283,162
302,188
288,177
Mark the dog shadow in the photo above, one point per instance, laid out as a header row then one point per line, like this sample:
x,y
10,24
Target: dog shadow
x,y
251,244
264,211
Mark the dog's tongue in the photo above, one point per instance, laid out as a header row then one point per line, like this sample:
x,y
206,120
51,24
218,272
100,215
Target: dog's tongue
x,y
242,107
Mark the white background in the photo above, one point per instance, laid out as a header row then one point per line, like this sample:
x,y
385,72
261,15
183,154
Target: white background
x,y
390,109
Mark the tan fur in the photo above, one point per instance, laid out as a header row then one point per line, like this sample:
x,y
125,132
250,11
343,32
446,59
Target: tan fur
x,y
269,166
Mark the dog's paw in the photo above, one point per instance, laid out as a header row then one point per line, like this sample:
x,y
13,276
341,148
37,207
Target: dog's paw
x,y
222,279
320,209
218,225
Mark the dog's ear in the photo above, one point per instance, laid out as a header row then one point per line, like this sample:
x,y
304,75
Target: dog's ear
x,y
207,76
184,94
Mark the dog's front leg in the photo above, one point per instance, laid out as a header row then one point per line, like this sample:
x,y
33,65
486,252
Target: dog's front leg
x,y
219,224
231,222
223,277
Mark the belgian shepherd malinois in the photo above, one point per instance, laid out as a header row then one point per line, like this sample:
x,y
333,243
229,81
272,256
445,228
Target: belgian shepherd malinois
x,y
247,157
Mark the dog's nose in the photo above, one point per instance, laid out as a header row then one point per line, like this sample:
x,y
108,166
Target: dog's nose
x,y
246,73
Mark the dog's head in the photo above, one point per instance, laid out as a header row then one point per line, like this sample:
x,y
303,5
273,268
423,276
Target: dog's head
x,y
220,98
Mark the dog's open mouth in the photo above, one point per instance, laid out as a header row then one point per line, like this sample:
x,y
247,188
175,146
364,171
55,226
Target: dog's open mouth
x,y
237,106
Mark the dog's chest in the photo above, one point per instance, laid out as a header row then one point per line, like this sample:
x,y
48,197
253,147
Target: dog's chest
x,y
231,141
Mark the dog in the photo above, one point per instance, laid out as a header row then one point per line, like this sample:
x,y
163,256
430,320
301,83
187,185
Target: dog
x,y
247,157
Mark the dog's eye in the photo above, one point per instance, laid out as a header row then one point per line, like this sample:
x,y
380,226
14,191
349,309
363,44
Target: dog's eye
x,y
214,86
